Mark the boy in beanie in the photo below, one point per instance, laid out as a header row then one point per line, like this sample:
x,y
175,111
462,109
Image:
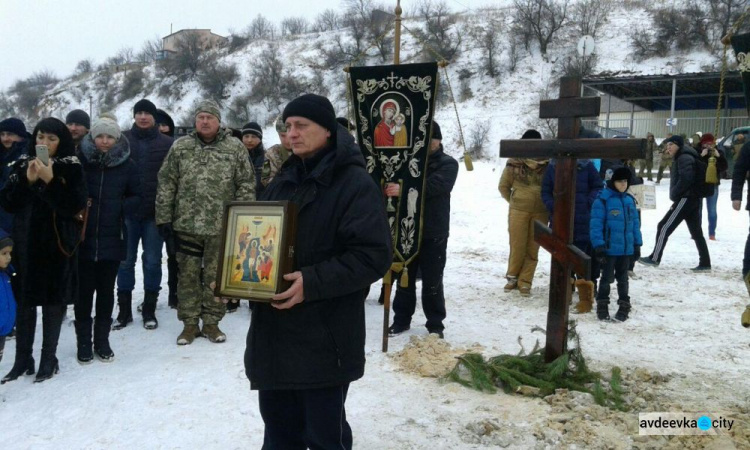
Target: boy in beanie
x,y
7,301
615,235
79,123
165,122
252,138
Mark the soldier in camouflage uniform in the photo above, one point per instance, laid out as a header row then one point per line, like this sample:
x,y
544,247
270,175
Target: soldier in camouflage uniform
x,y
202,171
276,155
666,160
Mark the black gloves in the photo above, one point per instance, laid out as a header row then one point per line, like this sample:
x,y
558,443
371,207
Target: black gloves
x,y
636,252
167,233
601,254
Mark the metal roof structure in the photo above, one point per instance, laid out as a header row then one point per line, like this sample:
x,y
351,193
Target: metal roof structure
x,y
692,91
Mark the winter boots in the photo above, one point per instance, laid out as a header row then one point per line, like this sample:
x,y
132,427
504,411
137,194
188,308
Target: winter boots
x,y
102,349
602,310
51,323
125,316
746,317
24,365
623,310
188,335
85,354
24,362
149,310
585,296
213,333
232,305
512,284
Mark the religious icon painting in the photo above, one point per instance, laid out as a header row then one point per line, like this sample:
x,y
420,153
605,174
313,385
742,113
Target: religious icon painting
x,y
392,113
393,106
257,249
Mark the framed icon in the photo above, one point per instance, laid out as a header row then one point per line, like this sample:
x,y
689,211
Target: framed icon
x,y
257,249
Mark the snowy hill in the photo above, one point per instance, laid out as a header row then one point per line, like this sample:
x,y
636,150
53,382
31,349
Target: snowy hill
x,y
506,104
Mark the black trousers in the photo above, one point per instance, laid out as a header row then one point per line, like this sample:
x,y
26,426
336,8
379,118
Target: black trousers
x,y
746,259
431,261
689,210
96,277
52,316
305,418
615,268
2,346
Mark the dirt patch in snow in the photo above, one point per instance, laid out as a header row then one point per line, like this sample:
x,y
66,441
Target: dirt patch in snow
x,y
429,356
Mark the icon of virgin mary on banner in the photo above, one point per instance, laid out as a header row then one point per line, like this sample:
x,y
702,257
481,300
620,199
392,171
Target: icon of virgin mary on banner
x,y
393,108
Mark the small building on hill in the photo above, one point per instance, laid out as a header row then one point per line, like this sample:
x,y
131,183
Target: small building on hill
x,y
202,36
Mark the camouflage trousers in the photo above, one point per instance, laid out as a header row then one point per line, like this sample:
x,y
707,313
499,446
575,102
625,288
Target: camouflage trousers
x,y
193,290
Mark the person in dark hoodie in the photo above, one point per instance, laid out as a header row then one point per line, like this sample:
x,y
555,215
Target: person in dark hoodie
x,y
148,148
686,205
79,123
588,185
14,140
305,348
615,232
165,123
166,126
114,188
48,200
442,171
252,138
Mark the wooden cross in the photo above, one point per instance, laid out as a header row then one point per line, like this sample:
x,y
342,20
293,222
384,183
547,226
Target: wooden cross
x,y
569,108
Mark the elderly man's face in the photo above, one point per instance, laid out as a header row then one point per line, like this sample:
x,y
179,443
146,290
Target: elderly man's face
x,y
306,137
207,126
144,120
7,138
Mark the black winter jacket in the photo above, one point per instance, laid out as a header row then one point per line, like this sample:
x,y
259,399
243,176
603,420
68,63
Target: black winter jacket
x,y
45,221
343,245
442,171
682,174
257,157
7,157
739,176
148,148
115,191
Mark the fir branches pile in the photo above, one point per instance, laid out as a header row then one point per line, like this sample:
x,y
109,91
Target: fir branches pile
x,y
511,372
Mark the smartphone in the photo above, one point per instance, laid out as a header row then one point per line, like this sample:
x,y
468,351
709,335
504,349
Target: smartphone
x,y
42,152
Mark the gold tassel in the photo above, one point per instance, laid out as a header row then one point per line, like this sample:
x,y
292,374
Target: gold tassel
x,y
467,162
405,278
712,176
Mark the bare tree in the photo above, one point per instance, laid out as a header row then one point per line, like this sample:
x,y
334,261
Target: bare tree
x,y
328,20
84,66
719,16
293,26
589,15
149,51
544,18
261,29
514,52
126,54
216,77
478,139
441,32
489,40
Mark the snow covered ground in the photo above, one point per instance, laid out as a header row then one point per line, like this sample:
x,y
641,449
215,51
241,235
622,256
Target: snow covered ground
x,y
159,395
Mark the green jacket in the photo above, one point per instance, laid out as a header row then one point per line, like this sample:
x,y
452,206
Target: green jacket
x,y
196,180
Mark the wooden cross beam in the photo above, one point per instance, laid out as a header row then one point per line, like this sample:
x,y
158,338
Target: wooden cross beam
x,y
568,109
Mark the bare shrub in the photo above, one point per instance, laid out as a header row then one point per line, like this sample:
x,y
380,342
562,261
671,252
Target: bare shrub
x,y
441,33
216,77
292,26
588,16
132,85
542,19
328,20
84,66
261,29
478,139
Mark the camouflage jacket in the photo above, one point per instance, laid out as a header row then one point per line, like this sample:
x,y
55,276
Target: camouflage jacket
x,y
275,157
197,179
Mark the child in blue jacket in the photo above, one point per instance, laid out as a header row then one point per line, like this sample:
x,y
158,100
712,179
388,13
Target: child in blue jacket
x,y
7,301
615,235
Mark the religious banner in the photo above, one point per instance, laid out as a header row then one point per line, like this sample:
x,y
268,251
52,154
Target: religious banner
x,y
741,46
393,107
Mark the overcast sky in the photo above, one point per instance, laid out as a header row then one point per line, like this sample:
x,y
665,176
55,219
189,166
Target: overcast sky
x,y
55,34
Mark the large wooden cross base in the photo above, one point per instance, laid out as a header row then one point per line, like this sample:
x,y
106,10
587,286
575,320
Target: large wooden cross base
x,y
569,108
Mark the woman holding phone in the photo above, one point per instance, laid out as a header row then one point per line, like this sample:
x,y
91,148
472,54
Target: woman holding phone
x,y
47,200
114,188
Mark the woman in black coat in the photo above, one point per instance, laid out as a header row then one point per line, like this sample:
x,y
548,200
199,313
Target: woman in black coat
x,y
114,190
48,201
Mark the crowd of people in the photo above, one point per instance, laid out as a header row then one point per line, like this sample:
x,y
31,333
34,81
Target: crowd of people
x,y
607,223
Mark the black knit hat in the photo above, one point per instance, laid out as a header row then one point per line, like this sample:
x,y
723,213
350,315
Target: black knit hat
x,y
252,128
436,134
531,134
344,122
676,139
314,107
145,106
79,117
15,126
